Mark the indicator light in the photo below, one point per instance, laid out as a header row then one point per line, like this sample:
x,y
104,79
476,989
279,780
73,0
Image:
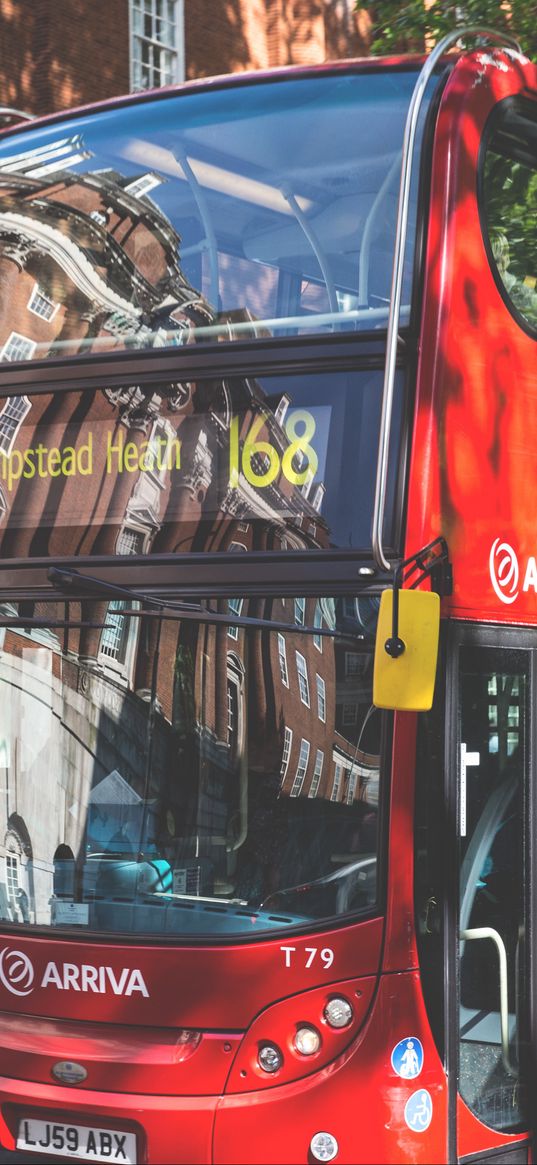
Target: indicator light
x,y
307,1041
323,1147
338,1012
269,1058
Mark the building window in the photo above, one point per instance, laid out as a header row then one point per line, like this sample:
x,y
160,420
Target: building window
x,y
287,741
300,611
317,773
318,622
18,347
130,542
12,879
354,664
157,36
301,768
282,656
41,305
321,698
303,684
243,527
11,418
234,605
3,503
237,548
351,788
349,715
118,639
337,783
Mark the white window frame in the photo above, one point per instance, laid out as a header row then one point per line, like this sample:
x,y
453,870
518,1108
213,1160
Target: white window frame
x,y
300,612
302,674
38,297
233,632
121,669
286,752
317,773
301,768
282,656
11,341
175,48
321,697
336,783
318,622
237,548
14,411
351,787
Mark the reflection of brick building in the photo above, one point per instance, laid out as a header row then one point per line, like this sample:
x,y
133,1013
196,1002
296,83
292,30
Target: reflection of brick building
x,y
55,54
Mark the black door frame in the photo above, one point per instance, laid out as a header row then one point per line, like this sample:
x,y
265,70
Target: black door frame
x,y
463,634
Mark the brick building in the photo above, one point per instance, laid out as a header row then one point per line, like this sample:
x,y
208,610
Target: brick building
x,y
55,54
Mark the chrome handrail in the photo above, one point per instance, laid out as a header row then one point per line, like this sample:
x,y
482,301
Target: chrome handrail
x,y
407,161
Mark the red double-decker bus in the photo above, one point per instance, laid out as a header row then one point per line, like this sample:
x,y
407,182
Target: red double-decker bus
x,y
267,350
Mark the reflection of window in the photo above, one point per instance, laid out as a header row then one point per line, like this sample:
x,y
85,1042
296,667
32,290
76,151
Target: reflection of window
x,y
321,698
301,768
232,713
118,639
282,656
351,788
303,684
349,714
236,547
41,305
11,418
337,783
354,664
235,678
12,878
18,347
318,622
234,605
300,611
130,541
156,42
287,741
143,185
3,503
317,772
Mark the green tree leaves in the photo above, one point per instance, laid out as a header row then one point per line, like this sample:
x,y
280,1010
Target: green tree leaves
x,y
413,27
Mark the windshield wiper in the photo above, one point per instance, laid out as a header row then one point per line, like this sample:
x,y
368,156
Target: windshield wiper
x,y
89,586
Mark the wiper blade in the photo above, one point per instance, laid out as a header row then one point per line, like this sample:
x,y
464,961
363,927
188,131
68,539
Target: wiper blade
x,y
71,580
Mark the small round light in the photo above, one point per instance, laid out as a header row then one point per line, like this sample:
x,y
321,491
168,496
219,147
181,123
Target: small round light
x,y
338,1012
269,1058
323,1147
307,1041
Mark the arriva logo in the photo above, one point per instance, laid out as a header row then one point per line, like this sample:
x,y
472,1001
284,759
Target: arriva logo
x,y
17,974
505,572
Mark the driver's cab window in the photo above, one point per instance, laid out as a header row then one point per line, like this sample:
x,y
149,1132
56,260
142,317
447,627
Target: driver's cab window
x,y
492,909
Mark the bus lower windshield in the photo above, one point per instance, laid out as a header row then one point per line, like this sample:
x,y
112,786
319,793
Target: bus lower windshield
x,y
173,776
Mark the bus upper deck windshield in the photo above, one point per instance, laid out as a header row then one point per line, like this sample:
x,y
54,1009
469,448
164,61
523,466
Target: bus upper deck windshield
x,y
244,211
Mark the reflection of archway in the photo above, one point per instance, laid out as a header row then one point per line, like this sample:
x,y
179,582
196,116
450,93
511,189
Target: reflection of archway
x,y
18,869
64,872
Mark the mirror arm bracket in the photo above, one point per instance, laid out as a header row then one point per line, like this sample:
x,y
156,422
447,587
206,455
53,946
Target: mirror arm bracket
x,y
430,562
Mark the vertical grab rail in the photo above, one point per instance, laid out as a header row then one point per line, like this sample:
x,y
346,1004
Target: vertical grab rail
x,y
407,160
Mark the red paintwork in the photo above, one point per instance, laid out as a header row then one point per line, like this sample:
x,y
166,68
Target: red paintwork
x,y
466,483
472,491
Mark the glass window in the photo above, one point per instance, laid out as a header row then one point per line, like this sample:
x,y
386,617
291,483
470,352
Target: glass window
x,y
301,768
317,773
175,462
300,611
282,654
41,305
303,684
321,697
509,185
245,211
18,347
494,886
200,792
155,57
336,784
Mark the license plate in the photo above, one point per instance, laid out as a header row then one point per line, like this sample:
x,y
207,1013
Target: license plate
x,y
76,1141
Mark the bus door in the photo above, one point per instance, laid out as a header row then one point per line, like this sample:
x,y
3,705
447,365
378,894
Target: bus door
x,y
491,958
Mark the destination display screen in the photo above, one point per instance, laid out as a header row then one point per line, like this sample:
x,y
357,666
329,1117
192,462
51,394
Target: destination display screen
x,y
243,464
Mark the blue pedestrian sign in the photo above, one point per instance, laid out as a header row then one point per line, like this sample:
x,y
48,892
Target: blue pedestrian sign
x,y
419,1111
407,1058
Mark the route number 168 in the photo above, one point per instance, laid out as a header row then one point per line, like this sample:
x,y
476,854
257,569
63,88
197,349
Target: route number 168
x,y
299,447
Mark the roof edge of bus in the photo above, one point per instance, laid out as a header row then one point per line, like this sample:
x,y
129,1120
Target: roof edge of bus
x,y
401,63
